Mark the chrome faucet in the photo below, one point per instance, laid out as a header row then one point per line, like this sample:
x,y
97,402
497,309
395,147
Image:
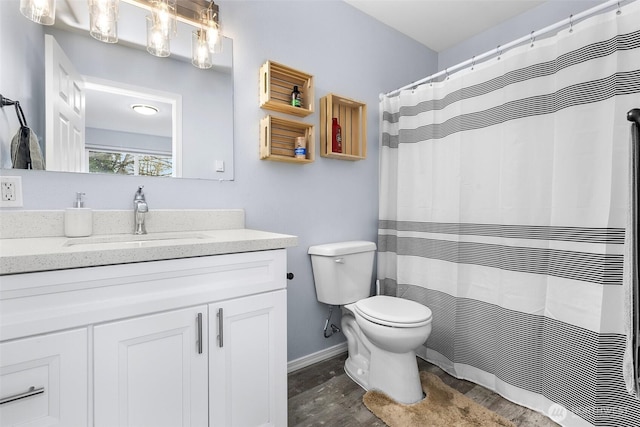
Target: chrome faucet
x,y
140,208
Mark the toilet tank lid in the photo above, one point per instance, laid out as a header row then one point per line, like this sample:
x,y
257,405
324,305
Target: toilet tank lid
x,y
342,248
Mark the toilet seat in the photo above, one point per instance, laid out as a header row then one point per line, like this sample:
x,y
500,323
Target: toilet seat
x,y
393,311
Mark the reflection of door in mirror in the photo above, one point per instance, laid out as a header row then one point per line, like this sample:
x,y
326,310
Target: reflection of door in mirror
x,y
65,112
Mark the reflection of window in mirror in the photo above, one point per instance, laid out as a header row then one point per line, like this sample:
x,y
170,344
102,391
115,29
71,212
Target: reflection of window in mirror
x,y
124,163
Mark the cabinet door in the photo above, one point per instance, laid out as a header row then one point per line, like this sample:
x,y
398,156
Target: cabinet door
x,y
248,362
152,370
43,380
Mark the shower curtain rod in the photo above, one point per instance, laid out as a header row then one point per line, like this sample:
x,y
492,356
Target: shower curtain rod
x,y
500,49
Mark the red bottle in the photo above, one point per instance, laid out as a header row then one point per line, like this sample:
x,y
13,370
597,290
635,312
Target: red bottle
x,y
336,140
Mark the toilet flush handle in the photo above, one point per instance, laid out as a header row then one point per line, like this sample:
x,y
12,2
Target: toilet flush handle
x,y
339,260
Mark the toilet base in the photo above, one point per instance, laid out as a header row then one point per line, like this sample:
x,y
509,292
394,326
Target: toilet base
x,y
372,368
396,375
353,369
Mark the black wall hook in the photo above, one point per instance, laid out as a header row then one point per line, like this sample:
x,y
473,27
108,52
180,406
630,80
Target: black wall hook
x,y
634,116
6,101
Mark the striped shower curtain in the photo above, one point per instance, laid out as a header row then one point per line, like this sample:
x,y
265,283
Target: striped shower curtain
x,y
503,196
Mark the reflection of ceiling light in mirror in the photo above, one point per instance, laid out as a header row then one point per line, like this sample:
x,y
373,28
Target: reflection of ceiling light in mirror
x,y
145,110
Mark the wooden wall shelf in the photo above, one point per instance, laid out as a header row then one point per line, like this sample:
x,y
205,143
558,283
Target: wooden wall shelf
x,y
276,84
352,117
277,139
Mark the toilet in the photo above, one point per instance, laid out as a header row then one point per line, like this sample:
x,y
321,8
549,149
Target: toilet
x,y
382,332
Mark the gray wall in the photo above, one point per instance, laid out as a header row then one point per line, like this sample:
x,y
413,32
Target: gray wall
x,y
348,53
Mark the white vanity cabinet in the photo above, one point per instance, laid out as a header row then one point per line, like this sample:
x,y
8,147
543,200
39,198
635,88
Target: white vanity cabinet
x,y
181,342
248,342
43,380
151,370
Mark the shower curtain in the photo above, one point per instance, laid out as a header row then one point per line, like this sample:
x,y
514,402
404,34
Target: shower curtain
x,y
503,194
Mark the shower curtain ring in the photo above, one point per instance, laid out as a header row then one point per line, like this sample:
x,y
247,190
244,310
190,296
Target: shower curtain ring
x,y
619,11
532,38
571,23
473,62
499,52
446,72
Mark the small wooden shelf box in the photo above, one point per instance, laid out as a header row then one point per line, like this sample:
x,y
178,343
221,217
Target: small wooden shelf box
x,y
277,139
276,84
352,117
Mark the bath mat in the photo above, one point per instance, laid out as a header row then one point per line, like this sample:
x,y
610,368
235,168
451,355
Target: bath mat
x,y
443,406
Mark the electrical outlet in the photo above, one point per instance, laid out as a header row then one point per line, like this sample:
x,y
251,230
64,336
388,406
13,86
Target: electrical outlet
x,y
11,191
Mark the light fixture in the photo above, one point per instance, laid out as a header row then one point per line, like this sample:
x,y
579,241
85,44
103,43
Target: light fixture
x,y
200,53
211,24
158,41
144,109
103,20
40,11
164,16
161,24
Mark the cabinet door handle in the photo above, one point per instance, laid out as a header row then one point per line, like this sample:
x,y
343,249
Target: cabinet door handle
x,y
199,322
220,328
31,392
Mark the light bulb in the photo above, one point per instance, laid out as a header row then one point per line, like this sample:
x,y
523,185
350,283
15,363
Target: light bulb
x,y
212,37
164,15
158,42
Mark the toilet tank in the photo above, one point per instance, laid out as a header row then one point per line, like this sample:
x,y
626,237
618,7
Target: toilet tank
x,y
342,271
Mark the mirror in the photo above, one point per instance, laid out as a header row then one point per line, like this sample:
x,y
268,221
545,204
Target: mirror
x,y
193,131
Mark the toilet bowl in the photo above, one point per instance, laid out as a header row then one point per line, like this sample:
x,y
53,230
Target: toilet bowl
x,y
382,332
390,329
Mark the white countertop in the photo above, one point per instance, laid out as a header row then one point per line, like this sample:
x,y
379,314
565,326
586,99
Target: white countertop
x,y
33,241
22,255
55,253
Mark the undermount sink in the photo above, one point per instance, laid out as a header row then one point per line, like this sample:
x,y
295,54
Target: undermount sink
x,y
134,239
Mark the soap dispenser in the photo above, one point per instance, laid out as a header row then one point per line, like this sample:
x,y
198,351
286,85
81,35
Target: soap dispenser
x,y
78,220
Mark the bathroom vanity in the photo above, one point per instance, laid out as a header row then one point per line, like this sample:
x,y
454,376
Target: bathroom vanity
x,y
190,331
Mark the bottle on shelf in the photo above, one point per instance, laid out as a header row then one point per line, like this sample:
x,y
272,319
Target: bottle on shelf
x,y
296,97
300,150
336,139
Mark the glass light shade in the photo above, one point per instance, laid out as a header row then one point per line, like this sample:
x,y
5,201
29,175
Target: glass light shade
x,y
200,53
40,11
103,20
158,42
214,37
209,20
164,15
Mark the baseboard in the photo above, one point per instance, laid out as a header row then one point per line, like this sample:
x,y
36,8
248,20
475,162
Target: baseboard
x,y
316,357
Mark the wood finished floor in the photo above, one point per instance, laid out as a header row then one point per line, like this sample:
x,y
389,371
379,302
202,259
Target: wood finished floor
x,y
323,395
